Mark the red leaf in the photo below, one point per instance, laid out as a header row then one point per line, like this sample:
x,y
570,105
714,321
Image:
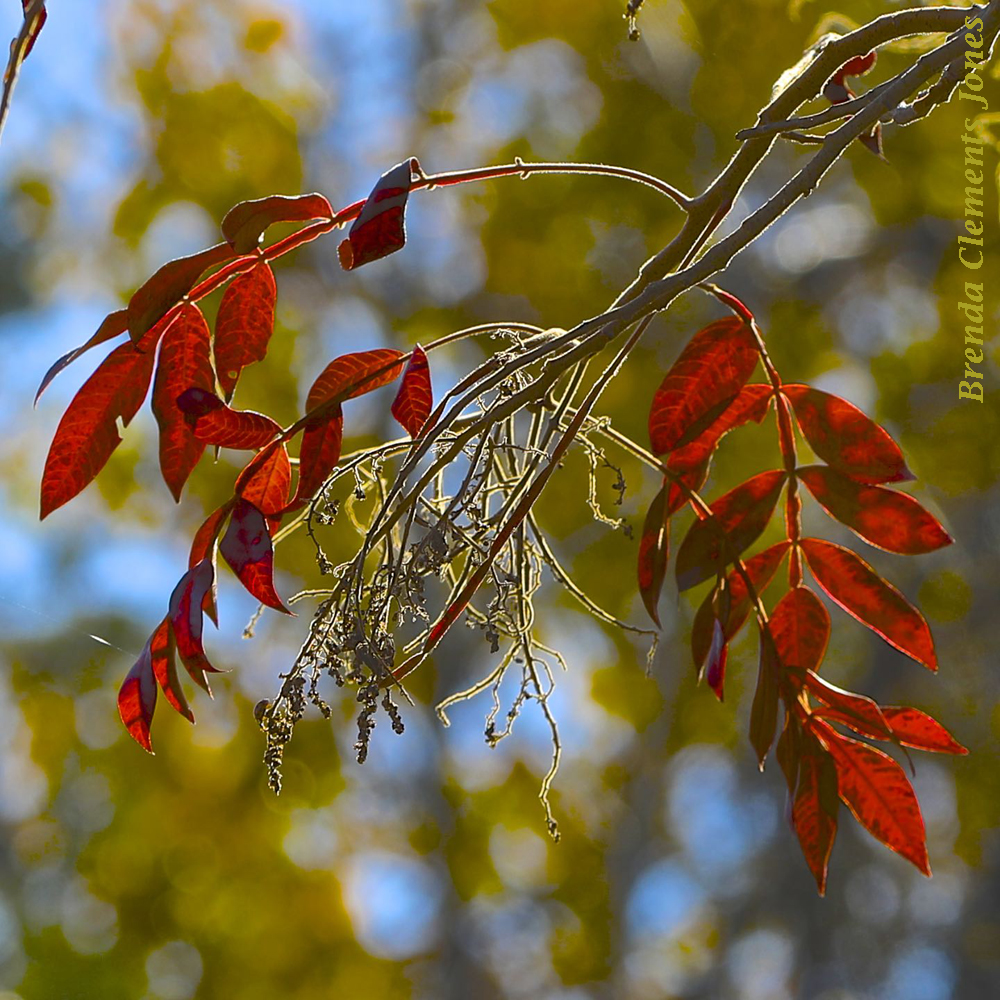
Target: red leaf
x,y
165,669
266,479
112,326
789,752
916,729
319,454
764,712
800,626
244,324
751,403
186,621
203,547
874,787
137,699
715,668
861,592
379,230
246,222
88,432
857,66
702,383
761,569
855,710
414,401
215,423
814,812
845,438
168,286
887,518
246,546
654,550
185,361
742,514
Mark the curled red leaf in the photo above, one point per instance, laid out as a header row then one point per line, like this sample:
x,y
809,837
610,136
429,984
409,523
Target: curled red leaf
x,y
164,661
415,399
244,325
247,547
379,230
246,222
213,422
137,699
186,620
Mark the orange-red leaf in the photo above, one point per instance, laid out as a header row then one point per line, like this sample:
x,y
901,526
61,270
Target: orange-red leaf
x,y
185,362
379,230
246,222
702,383
741,514
244,324
168,286
875,788
800,626
887,518
186,620
654,550
266,479
764,711
88,432
814,811
845,438
215,423
855,710
319,454
415,399
916,729
112,326
247,547
164,660
353,375
862,593
137,699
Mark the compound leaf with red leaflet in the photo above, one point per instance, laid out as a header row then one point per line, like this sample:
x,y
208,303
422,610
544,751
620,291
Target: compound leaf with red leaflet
x,y
266,478
215,423
654,550
168,286
186,620
112,326
137,698
319,454
247,547
886,518
415,399
814,810
916,729
244,325
379,230
88,433
845,438
161,646
876,790
246,222
764,711
742,514
702,383
203,547
849,581
855,710
185,362
800,626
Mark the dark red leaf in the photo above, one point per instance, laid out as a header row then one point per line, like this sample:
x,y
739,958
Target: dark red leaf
x,y
185,362
654,550
741,514
788,752
887,518
876,790
764,712
168,286
246,222
186,622
814,811
715,667
266,479
137,699
857,66
113,326
845,438
203,547
246,546
88,432
379,230
215,423
861,592
702,383
800,626
414,401
165,669
244,324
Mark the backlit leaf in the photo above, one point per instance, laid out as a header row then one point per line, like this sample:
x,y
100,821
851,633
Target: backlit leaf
x,y
244,324
186,621
414,401
654,550
247,547
814,812
215,423
266,479
800,626
379,230
137,699
246,222
164,660
319,454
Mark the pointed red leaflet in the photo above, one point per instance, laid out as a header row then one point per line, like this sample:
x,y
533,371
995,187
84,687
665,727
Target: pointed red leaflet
x,y
916,729
244,324
414,401
875,788
702,383
164,659
215,423
137,699
112,326
800,625
764,711
814,810
266,479
203,547
169,285
742,514
856,710
887,518
379,230
849,581
845,438
246,546
88,432
789,752
185,362
186,621
654,549
246,222
319,454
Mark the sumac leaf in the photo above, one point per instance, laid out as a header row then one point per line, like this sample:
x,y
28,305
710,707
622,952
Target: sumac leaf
x,y
789,752
186,620
88,433
887,518
112,326
654,550
861,592
814,811
266,479
414,401
215,423
715,665
855,710
702,383
875,788
164,662
247,547
379,230
244,324
741,514
845,438
916,729
800,626
353,375
764,711
203,547
137,699
246,222
319,454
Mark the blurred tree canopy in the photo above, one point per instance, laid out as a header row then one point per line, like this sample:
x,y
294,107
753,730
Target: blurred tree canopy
x,y
428,872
